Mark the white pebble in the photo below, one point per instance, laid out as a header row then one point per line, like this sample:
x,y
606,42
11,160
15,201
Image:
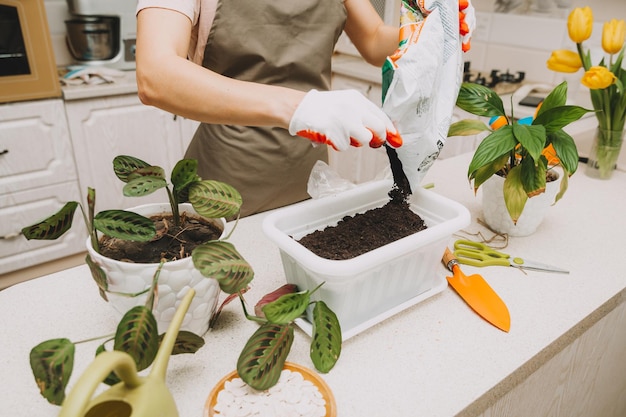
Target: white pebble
x,y
292,396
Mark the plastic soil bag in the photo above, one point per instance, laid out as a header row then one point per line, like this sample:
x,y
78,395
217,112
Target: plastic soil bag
x,y
421,81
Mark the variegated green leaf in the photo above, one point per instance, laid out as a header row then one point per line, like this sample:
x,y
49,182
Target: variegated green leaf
x,y
99,276
287,308
326,340
263,357
214,199
124,165
220,260
186,342
184,173
273,296
137,335
125,225
143,185
52,363
54,226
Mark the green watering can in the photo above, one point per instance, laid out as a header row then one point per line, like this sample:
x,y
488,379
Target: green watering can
x,y
135,396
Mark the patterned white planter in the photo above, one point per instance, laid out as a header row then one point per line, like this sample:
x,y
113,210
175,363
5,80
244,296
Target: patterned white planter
x,y
175,279
497,216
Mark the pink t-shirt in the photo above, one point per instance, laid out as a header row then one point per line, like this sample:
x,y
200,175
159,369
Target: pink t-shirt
x,y
200,12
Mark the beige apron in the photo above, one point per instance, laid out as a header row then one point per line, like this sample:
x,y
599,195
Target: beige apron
x,y
278,42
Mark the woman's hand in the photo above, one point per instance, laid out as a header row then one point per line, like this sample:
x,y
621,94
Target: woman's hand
x,y
342,118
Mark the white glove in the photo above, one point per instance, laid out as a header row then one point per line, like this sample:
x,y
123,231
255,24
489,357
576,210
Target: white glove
x,y
342,118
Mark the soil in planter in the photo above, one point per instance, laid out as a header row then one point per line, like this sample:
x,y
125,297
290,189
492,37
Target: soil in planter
x,y
363,232
171,242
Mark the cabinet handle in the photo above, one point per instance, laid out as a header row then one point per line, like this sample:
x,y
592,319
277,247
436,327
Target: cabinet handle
x,y
4,151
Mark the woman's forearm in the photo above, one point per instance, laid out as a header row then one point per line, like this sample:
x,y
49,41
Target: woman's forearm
x,y
189,90
167,80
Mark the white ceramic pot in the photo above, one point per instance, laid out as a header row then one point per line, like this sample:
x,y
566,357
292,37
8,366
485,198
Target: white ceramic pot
x,y
497,216
175,279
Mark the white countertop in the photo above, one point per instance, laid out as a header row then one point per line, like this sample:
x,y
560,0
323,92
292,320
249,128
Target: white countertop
x,y
437,358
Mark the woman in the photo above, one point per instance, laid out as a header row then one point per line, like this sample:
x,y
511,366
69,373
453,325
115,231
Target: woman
x,y
256,73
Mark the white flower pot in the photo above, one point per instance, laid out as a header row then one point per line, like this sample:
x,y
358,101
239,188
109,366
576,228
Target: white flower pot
x,y
365,290
497,216
175,279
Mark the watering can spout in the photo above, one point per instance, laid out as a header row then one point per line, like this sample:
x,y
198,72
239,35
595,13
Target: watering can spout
x,y
135,396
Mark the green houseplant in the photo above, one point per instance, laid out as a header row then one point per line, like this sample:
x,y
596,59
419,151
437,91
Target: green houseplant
x,y
124,283
523,152
215,259
137,332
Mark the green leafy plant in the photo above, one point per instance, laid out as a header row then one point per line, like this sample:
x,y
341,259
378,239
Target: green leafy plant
x,y
523,153
262,358
52,361
209,198
217,259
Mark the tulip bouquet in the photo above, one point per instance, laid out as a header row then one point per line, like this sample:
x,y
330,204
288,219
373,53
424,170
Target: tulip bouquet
x,y
606,81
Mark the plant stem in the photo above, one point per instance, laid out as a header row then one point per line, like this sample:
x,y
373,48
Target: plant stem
x,y
93,235
91,339
174,206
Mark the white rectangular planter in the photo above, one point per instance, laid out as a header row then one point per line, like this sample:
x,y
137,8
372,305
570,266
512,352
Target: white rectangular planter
x,y
371,287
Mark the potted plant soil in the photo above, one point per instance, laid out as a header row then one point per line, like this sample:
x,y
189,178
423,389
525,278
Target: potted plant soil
x,y
519,159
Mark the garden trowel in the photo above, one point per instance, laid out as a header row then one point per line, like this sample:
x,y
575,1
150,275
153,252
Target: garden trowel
x,y
477,294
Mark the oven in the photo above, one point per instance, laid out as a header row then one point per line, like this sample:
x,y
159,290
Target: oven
x,y
27,66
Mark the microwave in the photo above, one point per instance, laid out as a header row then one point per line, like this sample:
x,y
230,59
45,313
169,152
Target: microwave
x,y
27,67
388,10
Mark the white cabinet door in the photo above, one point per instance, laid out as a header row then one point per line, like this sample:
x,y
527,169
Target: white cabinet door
x,y
35,148
21,209
103,128
37,177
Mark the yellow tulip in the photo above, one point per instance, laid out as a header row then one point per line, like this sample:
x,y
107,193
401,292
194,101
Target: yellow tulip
x,y
563,60
580,24
613,34
598,78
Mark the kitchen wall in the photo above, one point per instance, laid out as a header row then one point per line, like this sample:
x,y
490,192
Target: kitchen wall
x,y
523,42
501,41
57,15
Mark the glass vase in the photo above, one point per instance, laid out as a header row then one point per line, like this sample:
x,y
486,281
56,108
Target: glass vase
x,y
604,153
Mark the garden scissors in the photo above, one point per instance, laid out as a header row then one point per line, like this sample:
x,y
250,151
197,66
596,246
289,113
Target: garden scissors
x,y
478,254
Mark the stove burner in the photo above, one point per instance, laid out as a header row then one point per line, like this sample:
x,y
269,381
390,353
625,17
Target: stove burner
x,y
495,77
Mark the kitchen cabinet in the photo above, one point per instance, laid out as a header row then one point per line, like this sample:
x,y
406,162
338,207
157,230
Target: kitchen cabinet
x,y
103,127
37,176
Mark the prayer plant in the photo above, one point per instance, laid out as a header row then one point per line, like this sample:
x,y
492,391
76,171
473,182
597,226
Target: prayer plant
x,y
264,354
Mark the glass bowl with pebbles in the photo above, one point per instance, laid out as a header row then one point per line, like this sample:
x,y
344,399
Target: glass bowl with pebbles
x,y
299,392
